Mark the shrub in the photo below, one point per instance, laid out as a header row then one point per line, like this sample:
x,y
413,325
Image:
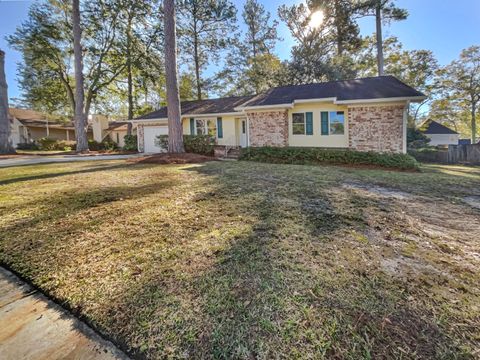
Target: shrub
x,y
47,144
27,146
416,139
293,155
130,143
106,144
197,144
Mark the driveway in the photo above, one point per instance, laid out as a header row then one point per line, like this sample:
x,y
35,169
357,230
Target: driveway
x,y
36,159
33,327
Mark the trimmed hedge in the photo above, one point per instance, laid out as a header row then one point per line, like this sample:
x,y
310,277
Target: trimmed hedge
x,y
295,155
130,143
197,144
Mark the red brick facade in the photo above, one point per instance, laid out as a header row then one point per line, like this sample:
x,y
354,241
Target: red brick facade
x,y
268,128
376,128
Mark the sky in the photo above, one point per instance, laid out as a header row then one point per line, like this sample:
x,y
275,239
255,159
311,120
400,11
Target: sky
x,y
442,26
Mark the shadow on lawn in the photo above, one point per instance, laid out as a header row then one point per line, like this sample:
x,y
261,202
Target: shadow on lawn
x,y
52,175
282,288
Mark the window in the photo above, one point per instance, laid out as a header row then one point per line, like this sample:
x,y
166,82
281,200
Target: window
x,y
205,127
298,124
337,123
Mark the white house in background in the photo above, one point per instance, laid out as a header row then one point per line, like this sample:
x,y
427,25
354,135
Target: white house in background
x,y
439,134
103,128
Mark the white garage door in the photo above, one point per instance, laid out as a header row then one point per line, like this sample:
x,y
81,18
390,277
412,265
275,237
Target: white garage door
x,y
150,134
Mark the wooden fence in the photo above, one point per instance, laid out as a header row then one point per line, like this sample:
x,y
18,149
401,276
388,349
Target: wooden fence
x,y
455,154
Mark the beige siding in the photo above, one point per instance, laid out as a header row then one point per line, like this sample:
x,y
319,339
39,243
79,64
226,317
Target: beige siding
x,y
229,129
317,139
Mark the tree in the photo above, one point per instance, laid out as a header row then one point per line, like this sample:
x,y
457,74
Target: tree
x,y
251,66
45,41
205,31
175,131
460,81
342,14
384,12
312,53
5,143
80,118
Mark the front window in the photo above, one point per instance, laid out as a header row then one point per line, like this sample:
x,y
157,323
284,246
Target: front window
x,y
206,127
298,124
337,123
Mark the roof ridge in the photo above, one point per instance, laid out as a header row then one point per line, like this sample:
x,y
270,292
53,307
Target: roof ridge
x,y
335,81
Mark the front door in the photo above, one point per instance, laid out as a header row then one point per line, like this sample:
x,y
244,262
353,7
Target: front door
x,y
243,133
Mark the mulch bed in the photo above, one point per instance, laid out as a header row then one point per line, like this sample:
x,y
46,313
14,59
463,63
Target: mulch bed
x,y
186,158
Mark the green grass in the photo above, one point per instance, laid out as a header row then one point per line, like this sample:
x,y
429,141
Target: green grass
x,y
252,260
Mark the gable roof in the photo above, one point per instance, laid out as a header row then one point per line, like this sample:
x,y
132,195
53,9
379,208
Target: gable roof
x,y
364,89
433,127
371,88
198,107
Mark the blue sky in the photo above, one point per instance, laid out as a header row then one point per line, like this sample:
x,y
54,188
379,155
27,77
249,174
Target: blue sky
x,y
443,26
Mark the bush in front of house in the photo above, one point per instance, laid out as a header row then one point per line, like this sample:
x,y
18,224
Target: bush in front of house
x,y
27,146
296,155
48,144
197,144
105,145
131,143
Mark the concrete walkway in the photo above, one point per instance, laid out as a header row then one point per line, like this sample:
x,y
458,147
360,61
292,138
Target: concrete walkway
x,y
37,159
33,327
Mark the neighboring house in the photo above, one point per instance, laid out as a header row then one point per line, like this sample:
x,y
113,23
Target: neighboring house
x,y
366,114
103,128
439,134
29,126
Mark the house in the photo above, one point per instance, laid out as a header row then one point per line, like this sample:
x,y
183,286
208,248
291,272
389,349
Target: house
x,y
367,114
439,134
29,126
104,128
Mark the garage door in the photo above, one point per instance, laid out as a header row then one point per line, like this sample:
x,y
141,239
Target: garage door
x,y
150,134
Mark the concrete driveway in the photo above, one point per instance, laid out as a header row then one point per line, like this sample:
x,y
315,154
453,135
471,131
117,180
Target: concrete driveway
x,y
33,327
37,159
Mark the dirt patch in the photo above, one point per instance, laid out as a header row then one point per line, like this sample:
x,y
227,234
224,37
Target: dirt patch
x,y
186,158
473,201
378,190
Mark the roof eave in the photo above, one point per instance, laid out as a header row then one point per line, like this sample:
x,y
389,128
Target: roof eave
x,y
382,100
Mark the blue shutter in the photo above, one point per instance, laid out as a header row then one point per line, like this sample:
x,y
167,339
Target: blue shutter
x,y
309,123
219,128
324,116
192,126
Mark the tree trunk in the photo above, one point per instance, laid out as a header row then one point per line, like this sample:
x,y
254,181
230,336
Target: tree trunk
x,y
129,74
339,27
175,131
5,141
378,18
80,116
474,123
197,68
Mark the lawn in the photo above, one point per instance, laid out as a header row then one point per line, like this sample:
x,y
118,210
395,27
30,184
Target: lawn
x,y
250,260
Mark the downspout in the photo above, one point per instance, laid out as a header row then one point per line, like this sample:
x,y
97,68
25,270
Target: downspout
x,y
405,120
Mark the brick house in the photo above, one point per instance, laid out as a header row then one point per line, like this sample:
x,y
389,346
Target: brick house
x,y
367,114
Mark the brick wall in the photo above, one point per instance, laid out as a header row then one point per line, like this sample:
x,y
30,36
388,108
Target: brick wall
x,y
376,128
269,128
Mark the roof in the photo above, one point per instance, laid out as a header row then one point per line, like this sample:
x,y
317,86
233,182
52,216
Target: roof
x,y
433,127
51,124
370,88
117,125
198,107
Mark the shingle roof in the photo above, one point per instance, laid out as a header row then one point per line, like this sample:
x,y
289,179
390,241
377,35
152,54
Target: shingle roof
x,y
379,87
370,88
197,107
433,127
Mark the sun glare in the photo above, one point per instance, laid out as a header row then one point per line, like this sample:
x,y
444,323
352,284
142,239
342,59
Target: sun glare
x,y
316,19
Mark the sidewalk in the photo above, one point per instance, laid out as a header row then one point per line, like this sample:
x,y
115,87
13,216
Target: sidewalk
x,y
33,327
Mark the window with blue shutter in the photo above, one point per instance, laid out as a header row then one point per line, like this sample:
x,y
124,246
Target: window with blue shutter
x,y
309,123
219,128
324,122
192,126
